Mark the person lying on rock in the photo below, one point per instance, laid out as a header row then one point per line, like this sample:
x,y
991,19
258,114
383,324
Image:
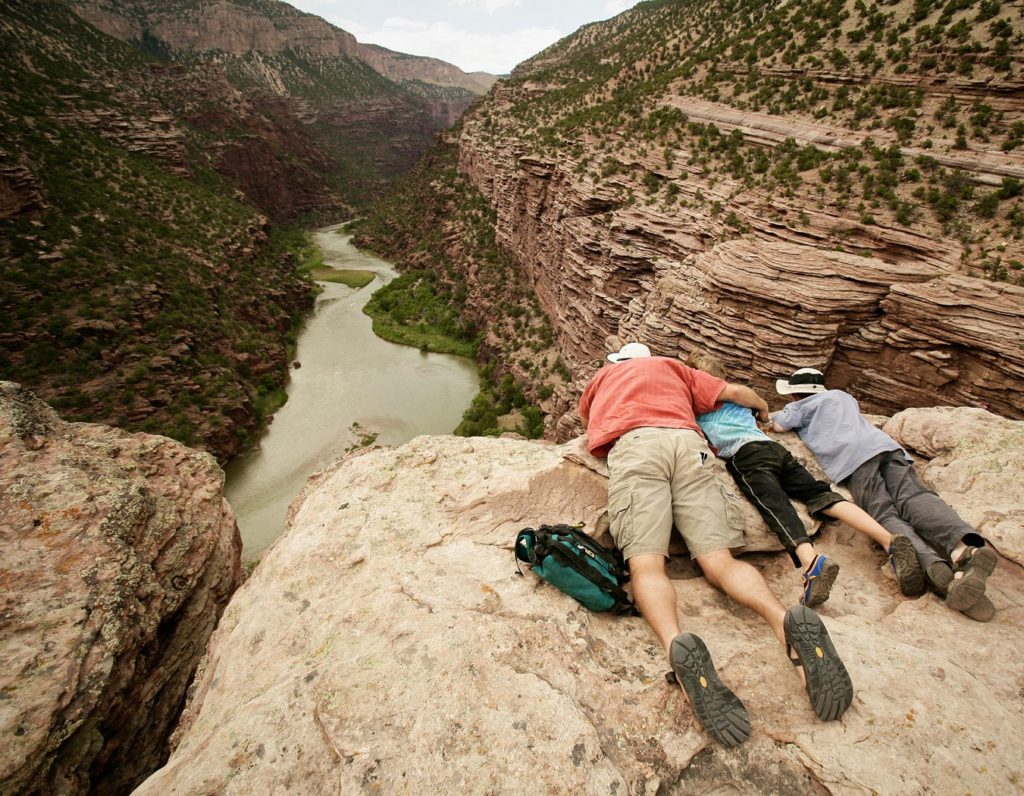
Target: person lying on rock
x,y
640,412
769,475
955,559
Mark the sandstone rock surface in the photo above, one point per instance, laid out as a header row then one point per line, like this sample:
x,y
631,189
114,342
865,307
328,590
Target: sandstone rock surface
x,y
975,460
118,554
386,644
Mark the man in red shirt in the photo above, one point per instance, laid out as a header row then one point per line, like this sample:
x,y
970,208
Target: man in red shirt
x,y
640,412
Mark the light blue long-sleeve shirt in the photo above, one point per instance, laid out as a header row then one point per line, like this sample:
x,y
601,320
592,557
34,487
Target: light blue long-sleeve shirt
x,y
832,427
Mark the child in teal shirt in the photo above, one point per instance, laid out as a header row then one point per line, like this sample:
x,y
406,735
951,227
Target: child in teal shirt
x,y
769,475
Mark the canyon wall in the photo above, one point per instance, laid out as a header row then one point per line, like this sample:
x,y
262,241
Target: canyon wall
x,y
156,155
889,315
832,186
335,85
119,554
222,25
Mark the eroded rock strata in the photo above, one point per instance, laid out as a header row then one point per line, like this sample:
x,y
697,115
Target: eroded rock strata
x,y
897,323
766,180
386,642
119,553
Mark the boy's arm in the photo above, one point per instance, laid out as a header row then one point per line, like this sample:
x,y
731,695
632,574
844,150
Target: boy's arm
x,y
744,396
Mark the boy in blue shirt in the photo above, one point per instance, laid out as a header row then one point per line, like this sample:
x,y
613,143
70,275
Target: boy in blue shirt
x,y
769,475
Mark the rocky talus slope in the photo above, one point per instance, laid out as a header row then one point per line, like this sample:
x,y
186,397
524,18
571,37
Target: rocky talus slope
x,y
119,554
386,644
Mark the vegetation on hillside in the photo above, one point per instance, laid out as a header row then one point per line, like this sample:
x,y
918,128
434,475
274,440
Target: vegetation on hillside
x,y
916,83
416,310
440,230
135,288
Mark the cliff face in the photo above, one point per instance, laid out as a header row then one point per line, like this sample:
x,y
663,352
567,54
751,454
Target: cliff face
x,y
386,643
447,90
230,27
119,554
303,80
787,185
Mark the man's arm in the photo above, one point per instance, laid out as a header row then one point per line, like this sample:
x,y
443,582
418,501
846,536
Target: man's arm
x,y
788,419
744,396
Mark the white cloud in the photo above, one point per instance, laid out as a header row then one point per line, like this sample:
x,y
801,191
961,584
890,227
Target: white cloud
x,y
490,6
496,53
403,24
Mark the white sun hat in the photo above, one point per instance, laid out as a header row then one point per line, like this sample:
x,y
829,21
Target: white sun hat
x,y
629,351
805,380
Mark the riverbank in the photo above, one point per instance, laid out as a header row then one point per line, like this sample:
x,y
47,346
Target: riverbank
x,y
350,388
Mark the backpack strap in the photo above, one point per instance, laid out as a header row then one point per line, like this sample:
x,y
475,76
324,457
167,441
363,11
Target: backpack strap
x,y
622,602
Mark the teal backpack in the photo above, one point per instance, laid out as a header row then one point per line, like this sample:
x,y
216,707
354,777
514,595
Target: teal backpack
x,y
571,560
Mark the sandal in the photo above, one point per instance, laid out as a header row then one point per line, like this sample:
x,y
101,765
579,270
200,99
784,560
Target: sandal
x,y
828,683
719,711
818,580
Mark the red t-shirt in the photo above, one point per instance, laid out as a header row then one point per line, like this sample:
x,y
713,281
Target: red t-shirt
x,y
647,391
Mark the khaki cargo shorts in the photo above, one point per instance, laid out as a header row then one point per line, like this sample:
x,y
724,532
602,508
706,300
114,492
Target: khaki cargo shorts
x,y
661,476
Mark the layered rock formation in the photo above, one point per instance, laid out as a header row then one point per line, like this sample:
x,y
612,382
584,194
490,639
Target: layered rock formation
x,y
119,553
404,68
325,83
19,189
387,643
223,25
749,179
895,322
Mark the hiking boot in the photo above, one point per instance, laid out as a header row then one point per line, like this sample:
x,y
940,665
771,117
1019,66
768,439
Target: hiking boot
x,y
906,565
976,564
940,576
981,611
818,580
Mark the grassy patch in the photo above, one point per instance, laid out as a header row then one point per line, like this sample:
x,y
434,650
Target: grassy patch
x,y
422,336
352,277
416,310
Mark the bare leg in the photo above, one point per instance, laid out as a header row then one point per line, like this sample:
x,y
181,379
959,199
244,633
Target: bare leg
x,y
746,586
805,552
655,596
858,519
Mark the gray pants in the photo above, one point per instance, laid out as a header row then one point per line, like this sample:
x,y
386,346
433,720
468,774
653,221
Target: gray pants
x,y
888,488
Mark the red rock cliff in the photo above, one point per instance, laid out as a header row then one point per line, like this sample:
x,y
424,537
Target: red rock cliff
x,y
691,216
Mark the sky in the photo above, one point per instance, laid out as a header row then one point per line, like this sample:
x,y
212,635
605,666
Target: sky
x,y
475,35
